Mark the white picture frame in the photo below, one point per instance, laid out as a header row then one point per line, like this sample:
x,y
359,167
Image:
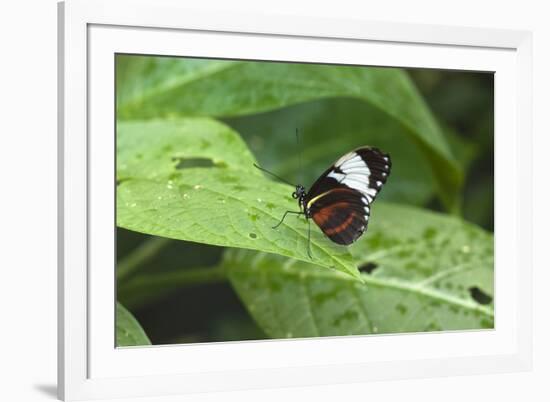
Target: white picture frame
x,y
91,32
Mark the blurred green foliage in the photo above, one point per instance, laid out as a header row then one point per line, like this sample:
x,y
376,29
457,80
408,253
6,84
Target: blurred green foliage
x,y
188,131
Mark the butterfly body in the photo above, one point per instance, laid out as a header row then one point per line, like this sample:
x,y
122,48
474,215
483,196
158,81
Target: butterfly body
x,y
339,202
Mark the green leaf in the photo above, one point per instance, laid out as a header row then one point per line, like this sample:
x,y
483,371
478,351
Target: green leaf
x,y
225,202
427,272
128,330
153,87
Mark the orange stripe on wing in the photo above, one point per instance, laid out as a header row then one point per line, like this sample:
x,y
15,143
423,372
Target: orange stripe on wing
x,y
341,227
322,216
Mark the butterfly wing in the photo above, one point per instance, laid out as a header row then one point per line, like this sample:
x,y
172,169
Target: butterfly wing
x,y
340,214
339,201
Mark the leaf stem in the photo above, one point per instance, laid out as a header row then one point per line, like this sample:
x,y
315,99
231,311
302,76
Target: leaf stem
x,y
174,279
139,256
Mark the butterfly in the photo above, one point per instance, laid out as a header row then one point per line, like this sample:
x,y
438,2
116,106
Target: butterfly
x,y
340,200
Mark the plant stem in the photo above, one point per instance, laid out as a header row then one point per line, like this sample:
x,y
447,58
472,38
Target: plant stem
x,y
167,281
139,256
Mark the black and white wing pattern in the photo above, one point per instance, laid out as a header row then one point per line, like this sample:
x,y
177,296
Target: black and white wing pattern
x,y
365,169
340,200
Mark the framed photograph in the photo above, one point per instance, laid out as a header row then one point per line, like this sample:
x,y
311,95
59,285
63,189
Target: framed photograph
x,y
265,201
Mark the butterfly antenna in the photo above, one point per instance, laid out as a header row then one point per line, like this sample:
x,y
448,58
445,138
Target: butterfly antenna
x,y
274,175
299,154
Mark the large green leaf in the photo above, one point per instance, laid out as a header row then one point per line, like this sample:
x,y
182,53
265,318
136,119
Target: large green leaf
x,y
155,87
128,330
224,202
422,272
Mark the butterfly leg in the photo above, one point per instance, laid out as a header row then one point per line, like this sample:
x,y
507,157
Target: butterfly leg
x,y
284,216
309,239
